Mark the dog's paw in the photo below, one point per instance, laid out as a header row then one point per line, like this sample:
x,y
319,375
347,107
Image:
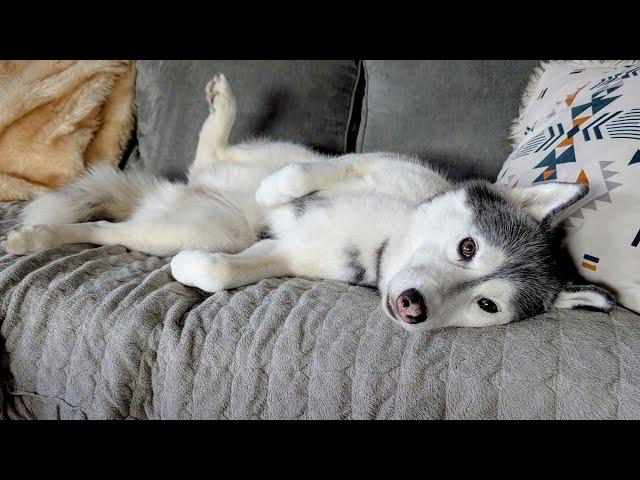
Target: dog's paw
x,y
29,239
204,270
219,95
283,186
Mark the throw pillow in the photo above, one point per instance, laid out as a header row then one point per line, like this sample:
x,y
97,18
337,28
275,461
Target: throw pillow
x,y
581,123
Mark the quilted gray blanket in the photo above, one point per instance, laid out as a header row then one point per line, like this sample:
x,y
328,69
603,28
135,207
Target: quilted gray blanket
x,y
102,332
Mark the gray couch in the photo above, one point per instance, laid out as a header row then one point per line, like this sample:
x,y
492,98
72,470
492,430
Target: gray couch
x,y
103,332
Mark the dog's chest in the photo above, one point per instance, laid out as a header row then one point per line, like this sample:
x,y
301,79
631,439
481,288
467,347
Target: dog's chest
x,y
344,238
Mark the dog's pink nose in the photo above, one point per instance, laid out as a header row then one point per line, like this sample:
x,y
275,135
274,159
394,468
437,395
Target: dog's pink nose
x,y
411,307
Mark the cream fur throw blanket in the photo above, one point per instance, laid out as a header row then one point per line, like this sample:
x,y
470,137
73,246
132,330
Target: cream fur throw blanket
x,y
57,117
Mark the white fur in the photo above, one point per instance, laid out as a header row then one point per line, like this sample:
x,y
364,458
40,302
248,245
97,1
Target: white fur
x,y
542,199
583,298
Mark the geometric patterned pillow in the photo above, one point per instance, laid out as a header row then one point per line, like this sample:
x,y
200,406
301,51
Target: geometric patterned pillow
x,y
582,124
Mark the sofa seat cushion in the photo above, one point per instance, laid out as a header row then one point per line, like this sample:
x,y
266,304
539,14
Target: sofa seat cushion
x,y
455,114
296,100
103,332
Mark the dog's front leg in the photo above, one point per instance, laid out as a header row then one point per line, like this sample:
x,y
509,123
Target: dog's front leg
x,y
300,179
214,272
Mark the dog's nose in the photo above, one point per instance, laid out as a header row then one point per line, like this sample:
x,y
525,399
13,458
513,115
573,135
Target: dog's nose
x,y
411,307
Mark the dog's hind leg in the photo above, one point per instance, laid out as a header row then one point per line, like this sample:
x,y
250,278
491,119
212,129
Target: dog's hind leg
x,y
150,238
214,134
36,238
213,272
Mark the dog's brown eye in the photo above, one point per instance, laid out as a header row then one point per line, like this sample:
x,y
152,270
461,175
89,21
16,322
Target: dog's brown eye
x,y
467,248
487,305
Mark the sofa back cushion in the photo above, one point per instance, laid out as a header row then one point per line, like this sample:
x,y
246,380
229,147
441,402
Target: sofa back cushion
x,y
454,113
298,100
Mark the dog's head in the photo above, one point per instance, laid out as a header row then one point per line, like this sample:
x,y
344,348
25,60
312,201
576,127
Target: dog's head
x,y
479,255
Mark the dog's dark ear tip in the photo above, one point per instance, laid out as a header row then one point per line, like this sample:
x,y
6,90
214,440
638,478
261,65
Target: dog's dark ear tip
x,y
544,201
584,190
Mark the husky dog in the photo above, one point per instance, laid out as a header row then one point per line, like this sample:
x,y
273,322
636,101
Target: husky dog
x,y
441,254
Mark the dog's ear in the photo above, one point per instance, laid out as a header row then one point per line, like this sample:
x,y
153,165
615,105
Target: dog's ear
x,y
545,201
585,296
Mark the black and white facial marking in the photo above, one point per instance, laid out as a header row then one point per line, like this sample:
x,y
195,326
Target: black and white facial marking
x,y
529,264
479,256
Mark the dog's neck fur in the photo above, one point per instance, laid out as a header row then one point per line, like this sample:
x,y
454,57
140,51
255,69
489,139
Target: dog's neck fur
x,y
396,254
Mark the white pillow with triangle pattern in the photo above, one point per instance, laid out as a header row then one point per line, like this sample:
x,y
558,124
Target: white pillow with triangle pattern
x,y
581,123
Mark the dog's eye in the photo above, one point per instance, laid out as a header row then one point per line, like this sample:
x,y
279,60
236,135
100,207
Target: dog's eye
x,y
467,248
487,305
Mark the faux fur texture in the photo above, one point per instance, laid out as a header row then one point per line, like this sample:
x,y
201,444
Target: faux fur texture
x,y
56,117
516,135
